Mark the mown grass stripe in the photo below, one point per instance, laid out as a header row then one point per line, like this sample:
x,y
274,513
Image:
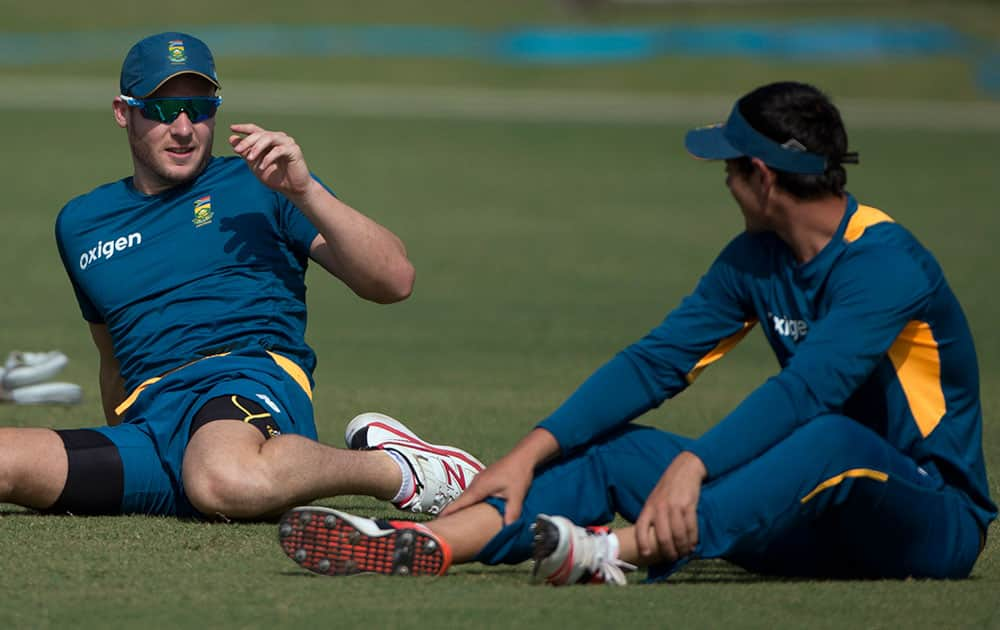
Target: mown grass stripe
x,y
528,105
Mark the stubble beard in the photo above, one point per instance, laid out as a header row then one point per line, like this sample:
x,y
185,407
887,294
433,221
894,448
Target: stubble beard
x,y
144,155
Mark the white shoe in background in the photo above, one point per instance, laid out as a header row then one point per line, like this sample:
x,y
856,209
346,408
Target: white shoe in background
x,y
29,368
44,394
24,379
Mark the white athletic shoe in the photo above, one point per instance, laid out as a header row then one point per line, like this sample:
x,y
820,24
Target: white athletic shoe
x,y
441,473
565,553
44,394
30,368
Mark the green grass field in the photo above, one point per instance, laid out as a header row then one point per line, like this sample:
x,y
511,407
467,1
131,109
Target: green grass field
x,y
541,249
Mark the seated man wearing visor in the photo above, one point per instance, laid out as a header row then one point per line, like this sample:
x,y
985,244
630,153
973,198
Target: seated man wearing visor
x,y
191,275
860,458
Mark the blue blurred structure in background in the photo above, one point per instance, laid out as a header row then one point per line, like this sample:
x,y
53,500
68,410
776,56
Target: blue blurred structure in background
x,y
845,41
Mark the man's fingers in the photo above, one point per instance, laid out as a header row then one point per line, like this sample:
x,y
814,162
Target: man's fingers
x,y
460,503
665,536
679,532
259,145
253,143
512,511
266,149
244,144
683,530
470,496
643,534
245,128
276,152
691,520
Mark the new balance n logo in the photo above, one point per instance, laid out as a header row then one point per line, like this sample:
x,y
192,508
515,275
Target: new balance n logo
x,y
454,474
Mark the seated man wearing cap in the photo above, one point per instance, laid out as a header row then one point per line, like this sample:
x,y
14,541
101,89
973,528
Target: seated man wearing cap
x,y
861,458
190,274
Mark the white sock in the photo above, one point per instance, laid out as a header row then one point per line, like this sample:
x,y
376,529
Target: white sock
x,y
407,486
613,545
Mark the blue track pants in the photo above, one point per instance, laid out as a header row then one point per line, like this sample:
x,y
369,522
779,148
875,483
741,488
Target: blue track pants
x,y
833,499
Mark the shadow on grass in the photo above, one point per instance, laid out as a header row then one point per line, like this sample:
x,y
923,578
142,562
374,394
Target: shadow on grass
x,y
722,572
482,569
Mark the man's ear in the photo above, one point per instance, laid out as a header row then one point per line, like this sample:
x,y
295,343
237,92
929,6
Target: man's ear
x,y
120,110
763,181
763,173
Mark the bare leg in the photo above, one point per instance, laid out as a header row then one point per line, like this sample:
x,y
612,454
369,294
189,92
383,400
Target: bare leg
x,y
33,467
230,469
468,530
628,548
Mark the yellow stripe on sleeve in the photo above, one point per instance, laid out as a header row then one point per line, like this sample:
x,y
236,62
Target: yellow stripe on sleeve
x,y
720,350
915,356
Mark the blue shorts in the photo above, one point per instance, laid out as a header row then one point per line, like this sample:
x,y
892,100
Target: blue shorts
x,y
154,434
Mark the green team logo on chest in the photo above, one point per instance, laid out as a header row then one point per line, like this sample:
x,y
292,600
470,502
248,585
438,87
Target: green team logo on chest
x,y
202,211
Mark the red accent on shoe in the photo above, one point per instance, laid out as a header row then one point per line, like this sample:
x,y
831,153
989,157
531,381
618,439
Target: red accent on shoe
x,y
420,527
597,578
454,474
561,575
400,504
598,529
410,441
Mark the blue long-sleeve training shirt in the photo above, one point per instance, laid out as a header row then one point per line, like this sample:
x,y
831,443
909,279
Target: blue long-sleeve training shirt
x,y
869,328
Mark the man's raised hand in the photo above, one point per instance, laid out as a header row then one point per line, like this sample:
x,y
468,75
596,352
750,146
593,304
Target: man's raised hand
x,y
274,157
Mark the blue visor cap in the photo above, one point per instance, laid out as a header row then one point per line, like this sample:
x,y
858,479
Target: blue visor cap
x,y
158,58
736,138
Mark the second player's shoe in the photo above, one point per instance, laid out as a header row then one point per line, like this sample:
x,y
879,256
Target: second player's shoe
x,y
330,542
440,473
565,553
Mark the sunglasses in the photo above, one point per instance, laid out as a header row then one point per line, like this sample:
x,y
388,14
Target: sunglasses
x,y
166,110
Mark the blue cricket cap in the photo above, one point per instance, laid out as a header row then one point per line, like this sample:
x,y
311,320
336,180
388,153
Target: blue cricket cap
x,y
158,58
736,138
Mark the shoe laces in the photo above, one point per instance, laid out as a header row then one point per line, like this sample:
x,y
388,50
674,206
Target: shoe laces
x,y
598,559
444,493
426,479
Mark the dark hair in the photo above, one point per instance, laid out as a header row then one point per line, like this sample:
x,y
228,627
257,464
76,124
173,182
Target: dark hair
x,y
788,110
